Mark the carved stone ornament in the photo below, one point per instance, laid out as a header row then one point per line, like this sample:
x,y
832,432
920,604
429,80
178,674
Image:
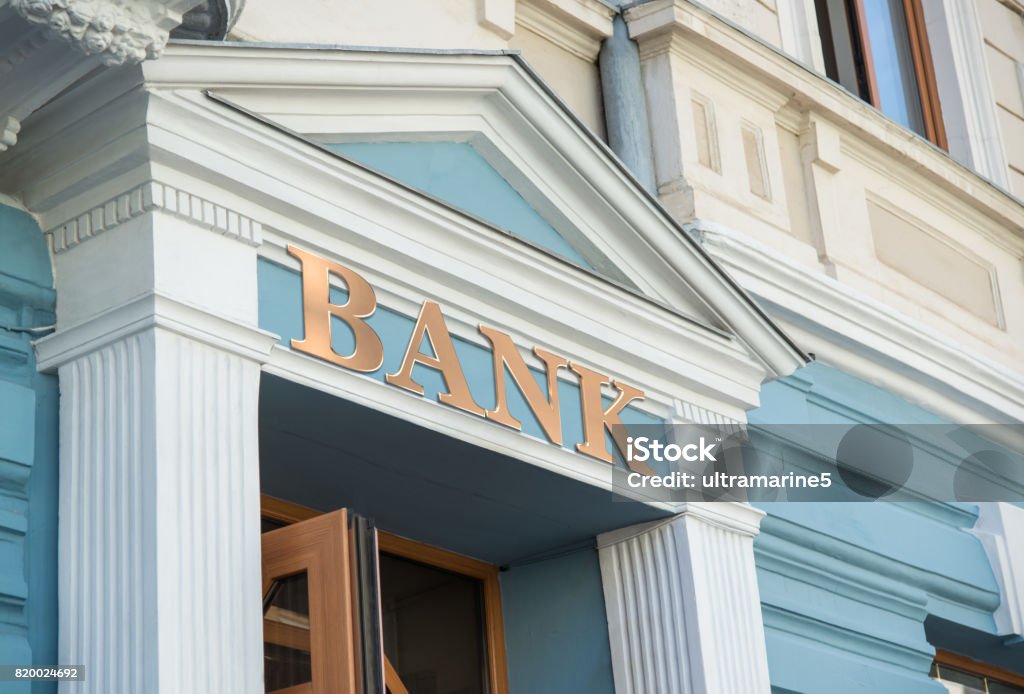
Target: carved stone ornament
x,y
120,32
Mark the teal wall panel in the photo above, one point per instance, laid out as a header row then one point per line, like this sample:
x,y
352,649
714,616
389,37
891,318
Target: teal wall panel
x,y
28,455
846,587
556,630
455,173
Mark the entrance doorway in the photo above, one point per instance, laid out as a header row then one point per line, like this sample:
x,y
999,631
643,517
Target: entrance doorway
x,y
348,608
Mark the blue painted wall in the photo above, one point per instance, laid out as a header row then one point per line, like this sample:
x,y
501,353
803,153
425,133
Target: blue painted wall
x,y
455,173
556,630
846,587
28,455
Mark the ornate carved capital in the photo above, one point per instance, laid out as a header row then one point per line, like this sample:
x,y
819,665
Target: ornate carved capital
x,y
119,31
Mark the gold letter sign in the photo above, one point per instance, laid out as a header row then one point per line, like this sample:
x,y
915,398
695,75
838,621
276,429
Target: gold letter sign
x,y
368,355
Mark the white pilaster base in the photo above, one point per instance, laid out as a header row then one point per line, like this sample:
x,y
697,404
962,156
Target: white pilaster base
x,y
684,611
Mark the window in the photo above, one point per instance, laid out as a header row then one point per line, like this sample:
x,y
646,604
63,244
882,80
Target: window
x,y
961,675
346,606
878,49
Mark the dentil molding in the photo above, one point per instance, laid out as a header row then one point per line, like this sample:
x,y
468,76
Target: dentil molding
x,y
149,196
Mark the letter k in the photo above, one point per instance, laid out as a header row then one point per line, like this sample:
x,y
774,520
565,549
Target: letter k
x,y
705,451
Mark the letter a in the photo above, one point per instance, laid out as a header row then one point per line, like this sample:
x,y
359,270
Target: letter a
x,y
431,323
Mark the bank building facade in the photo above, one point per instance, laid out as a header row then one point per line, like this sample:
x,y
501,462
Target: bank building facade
x,y
328,331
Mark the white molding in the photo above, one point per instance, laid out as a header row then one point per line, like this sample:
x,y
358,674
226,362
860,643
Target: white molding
x,y
968,101
1000,528
684,611
154,196
808,297
116,31
798,26
152,310
567,25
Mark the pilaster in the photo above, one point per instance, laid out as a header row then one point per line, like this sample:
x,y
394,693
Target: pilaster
x,y
684,612
159,360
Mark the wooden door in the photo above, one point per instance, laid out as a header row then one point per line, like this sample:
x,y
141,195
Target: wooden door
x,y
309,628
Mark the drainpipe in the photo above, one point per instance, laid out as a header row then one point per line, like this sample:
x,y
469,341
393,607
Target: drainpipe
x,y
625,106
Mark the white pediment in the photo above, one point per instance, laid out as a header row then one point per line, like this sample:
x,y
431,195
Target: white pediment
x,y
255,131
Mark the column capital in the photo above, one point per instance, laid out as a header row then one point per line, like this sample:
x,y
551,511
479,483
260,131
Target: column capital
x,y
153,310
732,516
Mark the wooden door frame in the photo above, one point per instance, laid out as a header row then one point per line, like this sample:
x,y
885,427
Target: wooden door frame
x,y
389,543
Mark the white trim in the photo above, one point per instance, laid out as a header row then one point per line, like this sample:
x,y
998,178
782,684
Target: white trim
x,y
968,102
1000,528
802,296
240,163
798,26
149,311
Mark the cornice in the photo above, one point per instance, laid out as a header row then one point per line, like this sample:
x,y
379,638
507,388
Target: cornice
x,y
866,324
149,196
686,28
152,311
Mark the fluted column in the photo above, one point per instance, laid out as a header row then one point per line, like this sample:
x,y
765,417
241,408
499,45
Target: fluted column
x,y
159,534
684,611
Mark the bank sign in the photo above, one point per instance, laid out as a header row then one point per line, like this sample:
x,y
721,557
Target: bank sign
x,y
366,354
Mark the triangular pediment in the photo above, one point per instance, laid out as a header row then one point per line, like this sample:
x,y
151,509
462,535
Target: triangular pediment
x,y
480,133
457,174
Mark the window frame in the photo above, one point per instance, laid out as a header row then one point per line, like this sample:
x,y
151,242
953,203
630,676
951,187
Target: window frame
x,y
920,50
279,510
969,665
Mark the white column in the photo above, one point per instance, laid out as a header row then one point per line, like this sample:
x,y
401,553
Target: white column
x,y
684,611
1000,528
159,363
